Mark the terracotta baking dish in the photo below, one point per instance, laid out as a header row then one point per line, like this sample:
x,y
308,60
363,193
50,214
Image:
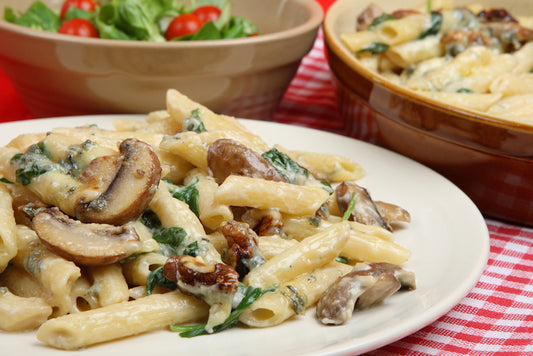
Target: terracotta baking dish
x,y
490,159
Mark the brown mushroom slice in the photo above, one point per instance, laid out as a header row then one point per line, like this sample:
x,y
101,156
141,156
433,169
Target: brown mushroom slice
x,y
392,213
365,210
361,289
226,157
85,244
130,190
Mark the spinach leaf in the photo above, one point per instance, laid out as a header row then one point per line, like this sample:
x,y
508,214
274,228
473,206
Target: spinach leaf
x,y
157,278
379,20
150,219
285,166
134,19
188,194
105,23
434,26
170,239
250,295
374,48
38,16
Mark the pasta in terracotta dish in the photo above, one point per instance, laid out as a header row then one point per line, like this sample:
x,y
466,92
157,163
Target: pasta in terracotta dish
x,y
468,56
185,220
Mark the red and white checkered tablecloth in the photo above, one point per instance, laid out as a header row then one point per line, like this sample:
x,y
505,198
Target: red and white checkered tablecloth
x,y
497,316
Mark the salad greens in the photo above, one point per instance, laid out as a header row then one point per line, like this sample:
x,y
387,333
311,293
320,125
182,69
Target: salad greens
x,y
144,20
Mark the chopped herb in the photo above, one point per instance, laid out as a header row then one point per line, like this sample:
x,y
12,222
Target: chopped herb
x,y
5,180
157,278
379,20
350,208
251,294
297,300
327,186
315,221
188,194
465,90
374,48
284,165
34,162
434,26
194,122
341,259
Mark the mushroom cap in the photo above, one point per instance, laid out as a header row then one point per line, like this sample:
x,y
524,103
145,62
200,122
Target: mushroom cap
x,y
131,188
85,244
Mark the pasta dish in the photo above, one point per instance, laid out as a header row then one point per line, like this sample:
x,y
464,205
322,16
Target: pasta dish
x,y
468,57
188,221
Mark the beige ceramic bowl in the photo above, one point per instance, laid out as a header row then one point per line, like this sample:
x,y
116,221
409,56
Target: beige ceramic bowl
x,y
64,75
491,160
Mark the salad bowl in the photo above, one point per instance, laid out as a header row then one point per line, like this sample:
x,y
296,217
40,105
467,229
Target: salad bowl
x,y
58,75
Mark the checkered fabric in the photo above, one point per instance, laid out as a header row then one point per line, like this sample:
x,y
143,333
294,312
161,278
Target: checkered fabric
x,y
496,317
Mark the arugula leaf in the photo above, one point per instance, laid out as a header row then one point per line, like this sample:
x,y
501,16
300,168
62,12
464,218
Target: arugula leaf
x,y
285,166
251,294
38,16
188,194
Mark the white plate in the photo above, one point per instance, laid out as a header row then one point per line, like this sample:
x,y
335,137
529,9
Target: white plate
x,y
448,238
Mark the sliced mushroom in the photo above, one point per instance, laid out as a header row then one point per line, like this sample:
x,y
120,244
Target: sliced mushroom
x,y
365,210
129,190
213,282
361,289
242,253
85,244
226,157
392,213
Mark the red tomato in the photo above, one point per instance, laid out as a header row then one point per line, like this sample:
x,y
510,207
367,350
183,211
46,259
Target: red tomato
x,y
79,27
207,13
87,5
184,24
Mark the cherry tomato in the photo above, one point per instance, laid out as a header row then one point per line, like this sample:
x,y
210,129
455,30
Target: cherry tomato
x,y
207,13
87,5
79,27
182,25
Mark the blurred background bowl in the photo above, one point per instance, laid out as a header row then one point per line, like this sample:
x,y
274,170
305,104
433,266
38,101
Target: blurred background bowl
x,y
58,75
490,159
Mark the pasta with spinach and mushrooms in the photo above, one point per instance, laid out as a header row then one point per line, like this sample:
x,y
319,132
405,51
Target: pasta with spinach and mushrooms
x,y
480,59
186,220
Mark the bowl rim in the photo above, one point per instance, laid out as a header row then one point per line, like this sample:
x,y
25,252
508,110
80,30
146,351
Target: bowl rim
x,y
333,42
314,9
